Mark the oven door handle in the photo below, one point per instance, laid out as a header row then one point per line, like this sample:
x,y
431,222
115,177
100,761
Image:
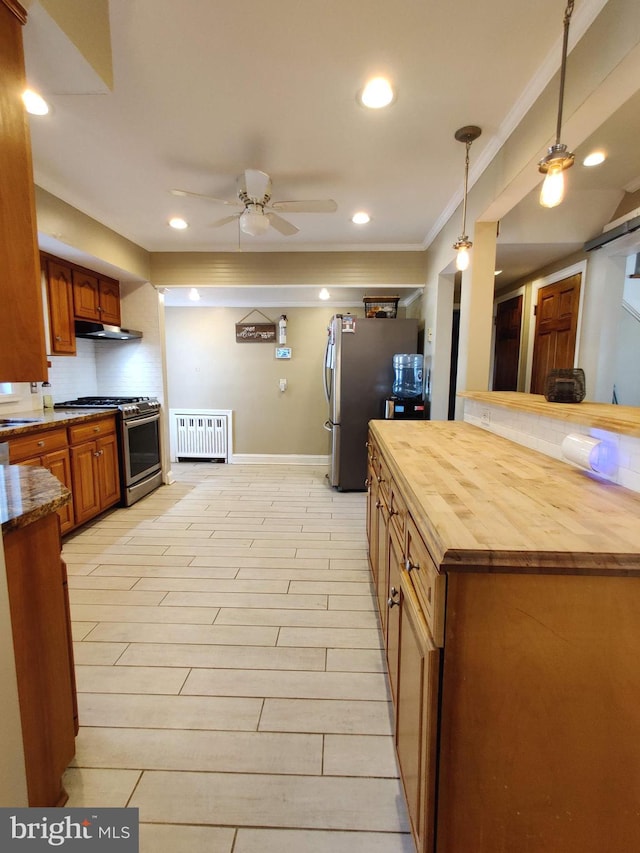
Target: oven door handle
x,y
141,421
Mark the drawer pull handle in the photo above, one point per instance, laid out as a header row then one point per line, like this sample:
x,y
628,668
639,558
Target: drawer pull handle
x,y
409,566
380,479
41,444
392,600
367,483
429,595
378,504
393,512
96,429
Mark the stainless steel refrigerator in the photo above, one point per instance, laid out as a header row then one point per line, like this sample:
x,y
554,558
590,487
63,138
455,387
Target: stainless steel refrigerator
x,y
358,376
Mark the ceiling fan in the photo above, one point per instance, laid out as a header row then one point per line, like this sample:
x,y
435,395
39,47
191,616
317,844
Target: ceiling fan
x,y
259,212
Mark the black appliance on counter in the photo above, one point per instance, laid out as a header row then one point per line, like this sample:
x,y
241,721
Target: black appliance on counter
x,y
138,439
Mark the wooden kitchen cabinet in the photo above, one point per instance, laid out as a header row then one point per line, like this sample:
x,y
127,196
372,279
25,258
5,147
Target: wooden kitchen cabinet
x,y
417,715
22,339
513,648
60,303
95,470
48,449
38,605
95,298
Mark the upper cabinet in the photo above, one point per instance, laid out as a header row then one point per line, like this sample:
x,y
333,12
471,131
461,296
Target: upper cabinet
x,y
96,298
75,293
22,339
60,299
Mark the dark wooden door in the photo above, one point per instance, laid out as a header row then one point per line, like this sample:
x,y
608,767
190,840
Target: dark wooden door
x,y
556,326
507,348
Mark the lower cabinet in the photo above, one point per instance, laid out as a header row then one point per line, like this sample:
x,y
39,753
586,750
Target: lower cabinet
x,y
94,468
417,715
38,603
84,457
48,450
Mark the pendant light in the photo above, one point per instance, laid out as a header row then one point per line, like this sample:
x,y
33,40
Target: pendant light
x,y
466,134
558,157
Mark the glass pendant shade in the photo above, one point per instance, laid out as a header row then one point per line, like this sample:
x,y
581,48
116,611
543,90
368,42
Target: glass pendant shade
x,y
552,191
462,258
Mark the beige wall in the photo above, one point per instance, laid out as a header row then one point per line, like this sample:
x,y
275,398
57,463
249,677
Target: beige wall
x,y
207,368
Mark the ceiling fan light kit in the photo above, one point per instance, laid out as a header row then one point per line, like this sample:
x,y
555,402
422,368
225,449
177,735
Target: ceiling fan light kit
x,y
258,211
558,158
467,134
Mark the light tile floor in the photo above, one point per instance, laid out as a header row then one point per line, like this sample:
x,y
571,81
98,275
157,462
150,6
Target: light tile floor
x,y
231,678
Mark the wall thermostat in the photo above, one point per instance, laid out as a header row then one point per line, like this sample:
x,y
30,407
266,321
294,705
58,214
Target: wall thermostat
x,y
283,352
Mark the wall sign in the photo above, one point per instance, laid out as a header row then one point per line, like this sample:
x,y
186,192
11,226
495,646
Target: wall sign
x,y
255,333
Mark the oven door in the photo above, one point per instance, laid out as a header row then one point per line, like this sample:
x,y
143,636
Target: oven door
x,y
141,448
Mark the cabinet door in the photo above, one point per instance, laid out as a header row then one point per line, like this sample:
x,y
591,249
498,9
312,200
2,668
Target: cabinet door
x,y
59,464
41,647
84,476
416,715
22,342
86,298
108,470
109,295
60,298
393,618
382,580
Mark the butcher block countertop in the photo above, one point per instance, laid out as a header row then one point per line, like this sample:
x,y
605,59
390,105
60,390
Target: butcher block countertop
x,y
622,419
484,503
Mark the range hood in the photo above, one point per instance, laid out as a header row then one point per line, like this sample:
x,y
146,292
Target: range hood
x,y
102,331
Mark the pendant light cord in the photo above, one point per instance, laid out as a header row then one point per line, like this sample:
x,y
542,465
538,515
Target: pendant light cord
x,y
464,198
563,66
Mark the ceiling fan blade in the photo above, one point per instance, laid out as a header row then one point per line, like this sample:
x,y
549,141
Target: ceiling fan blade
x,y
256,183
224,220
287,229
183,193
326,205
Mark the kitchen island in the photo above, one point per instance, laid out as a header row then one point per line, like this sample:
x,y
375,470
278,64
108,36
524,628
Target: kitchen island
x,y
509,590
30,498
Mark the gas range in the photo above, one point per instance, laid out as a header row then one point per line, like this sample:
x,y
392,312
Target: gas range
x,y
130,407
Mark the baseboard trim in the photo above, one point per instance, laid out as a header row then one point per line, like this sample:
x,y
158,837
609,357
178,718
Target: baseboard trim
x,y
278,459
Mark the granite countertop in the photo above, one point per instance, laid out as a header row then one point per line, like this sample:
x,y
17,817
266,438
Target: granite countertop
x,y
622,419
37,421
484,503
28,493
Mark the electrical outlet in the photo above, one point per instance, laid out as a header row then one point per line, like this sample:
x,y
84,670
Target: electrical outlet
x,y
485,417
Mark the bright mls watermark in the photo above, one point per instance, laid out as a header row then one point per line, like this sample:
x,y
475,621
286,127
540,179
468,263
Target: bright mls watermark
x,y
103,830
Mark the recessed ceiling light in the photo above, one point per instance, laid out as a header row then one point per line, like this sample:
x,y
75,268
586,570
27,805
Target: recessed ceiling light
x,y
178,223
194,296
594,159
35,104
377,93
324,294
361,218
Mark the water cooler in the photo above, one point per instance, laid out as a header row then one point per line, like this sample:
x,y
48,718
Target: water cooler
x,y
407,399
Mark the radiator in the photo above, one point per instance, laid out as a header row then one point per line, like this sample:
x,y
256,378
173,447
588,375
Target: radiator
x,y
200,436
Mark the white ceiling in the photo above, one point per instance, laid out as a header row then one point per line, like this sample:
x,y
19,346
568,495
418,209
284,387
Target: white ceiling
x,y
204,90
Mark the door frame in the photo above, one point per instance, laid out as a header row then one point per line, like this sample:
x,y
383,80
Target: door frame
x,y
504,297
566,272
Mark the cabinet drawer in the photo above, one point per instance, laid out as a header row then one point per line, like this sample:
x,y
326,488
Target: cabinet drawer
x,y
428,583
90,430
36,444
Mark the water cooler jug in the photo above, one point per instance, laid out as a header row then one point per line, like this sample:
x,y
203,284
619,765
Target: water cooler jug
x,y
407,398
